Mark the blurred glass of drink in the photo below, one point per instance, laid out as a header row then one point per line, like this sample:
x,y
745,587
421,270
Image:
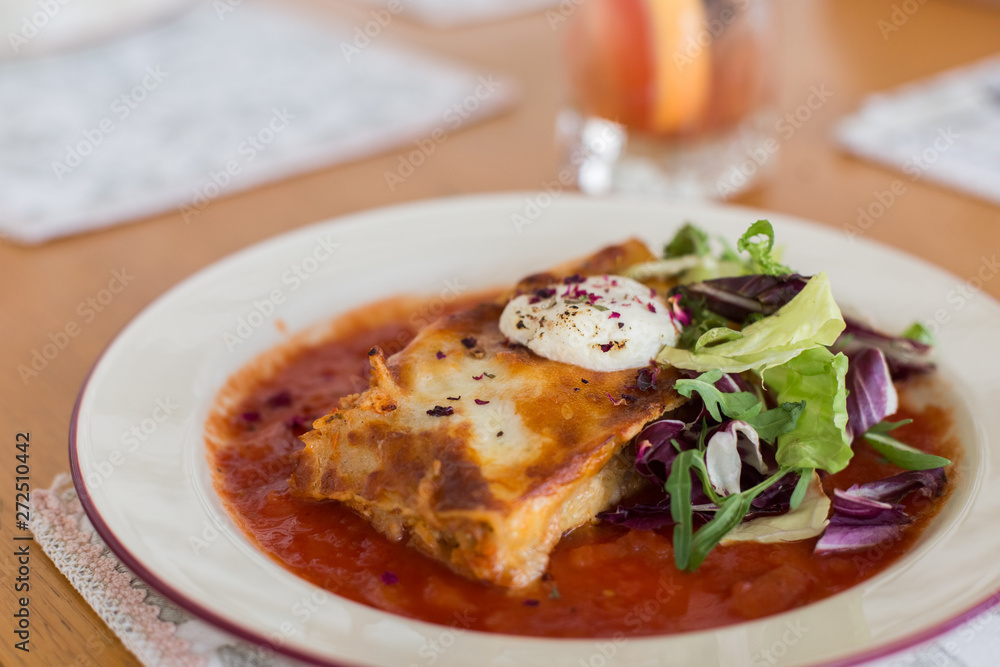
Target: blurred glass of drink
x,y
669,97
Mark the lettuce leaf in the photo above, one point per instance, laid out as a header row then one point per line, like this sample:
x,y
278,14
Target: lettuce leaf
x,y
758,242
809,320
819,439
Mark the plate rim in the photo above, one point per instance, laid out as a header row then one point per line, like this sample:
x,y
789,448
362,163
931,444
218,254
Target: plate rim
x,y
196,608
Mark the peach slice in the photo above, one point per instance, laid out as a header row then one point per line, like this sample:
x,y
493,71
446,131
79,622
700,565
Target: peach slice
x,y
639,63
609,55
682,65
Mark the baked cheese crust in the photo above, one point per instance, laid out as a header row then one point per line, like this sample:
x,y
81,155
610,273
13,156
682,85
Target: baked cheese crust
x,y
478,451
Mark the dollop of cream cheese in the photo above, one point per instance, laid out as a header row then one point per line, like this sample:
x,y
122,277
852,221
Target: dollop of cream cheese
x,y
604,323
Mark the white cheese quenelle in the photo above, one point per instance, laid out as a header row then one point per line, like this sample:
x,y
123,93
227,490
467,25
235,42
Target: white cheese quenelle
x,y
601,323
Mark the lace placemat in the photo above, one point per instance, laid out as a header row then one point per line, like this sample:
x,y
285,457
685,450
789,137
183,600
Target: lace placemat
x,y
158,632
228,96
161,634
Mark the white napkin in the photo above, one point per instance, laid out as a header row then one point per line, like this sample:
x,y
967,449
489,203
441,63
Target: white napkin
x,y
32,28
226,97
453,13
945,129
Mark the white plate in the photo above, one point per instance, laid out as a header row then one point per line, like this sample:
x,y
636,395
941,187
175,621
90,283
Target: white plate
x,y
151,499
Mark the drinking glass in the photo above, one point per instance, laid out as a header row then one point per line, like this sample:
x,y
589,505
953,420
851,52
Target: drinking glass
x,y
669,97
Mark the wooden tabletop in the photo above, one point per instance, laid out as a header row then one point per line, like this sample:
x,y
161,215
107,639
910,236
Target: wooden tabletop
x,y
833,43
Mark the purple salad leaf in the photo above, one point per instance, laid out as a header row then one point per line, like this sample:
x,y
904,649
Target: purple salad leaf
x,y
851,510
640,517
840,538
738,298
871,395
865,515
929,483
655,452
904,356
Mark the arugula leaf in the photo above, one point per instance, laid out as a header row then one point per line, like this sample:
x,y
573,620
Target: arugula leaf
x,y
769,424
820,438
689,240
701,469
810,319
741,405
679,487
728,516
920,333
731,512
903,455
886,426
805,477
758,242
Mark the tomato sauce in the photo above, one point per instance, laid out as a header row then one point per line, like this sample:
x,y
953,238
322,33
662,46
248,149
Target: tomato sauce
x,y
602,580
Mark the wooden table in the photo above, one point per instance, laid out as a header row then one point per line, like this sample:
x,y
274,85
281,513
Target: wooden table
x,y
832,43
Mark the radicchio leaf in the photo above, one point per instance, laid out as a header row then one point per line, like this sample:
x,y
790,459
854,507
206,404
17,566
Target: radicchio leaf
x,y
640,517
739,297
840,538
655,453
776,499
855,511
865,516
871,395
929,483
904,356
727,451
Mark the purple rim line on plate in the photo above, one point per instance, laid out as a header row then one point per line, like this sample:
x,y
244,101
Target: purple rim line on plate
x,y
196,609
149,577
251,636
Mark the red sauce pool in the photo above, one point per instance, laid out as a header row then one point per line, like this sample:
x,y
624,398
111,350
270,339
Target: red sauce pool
x,y
602,579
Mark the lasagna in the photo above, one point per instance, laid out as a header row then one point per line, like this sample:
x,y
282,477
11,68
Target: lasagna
x,y
478,451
